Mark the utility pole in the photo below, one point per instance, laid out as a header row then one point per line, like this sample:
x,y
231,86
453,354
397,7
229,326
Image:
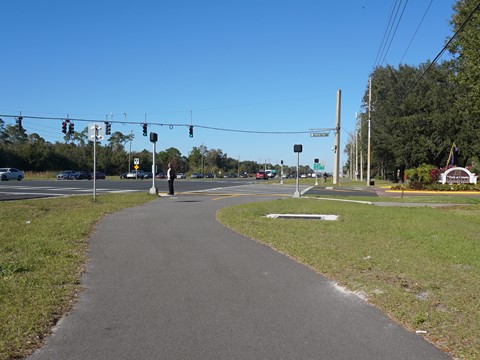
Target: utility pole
x,y
369,155
352,145
356,146
336,161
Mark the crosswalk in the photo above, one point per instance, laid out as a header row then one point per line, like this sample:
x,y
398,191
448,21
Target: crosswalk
x,y
15,192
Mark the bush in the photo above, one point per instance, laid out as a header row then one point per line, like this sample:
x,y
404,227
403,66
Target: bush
x,y
424,173
425,177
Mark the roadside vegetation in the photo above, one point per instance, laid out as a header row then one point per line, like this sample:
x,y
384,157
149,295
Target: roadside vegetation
x,y
419,265
42,255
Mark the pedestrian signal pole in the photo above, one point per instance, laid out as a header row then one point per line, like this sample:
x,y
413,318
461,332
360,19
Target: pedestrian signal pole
x,y
153,139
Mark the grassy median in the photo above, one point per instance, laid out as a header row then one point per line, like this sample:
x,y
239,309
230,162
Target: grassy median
x,y
420,265
42,254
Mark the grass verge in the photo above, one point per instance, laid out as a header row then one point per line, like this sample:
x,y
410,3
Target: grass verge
x,y
42,254
419,265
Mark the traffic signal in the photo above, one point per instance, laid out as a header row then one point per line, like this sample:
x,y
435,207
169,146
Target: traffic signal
x,y
19,122
153,137
144,125
108,128
71,128
190,131
64,127
316,161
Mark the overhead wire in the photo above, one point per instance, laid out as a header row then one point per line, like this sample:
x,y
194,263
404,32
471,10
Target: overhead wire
x,y
171,125
392,25
382,43
442,51
416,31
395,32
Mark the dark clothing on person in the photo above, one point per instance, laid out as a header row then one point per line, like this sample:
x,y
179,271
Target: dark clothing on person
x,y
171,175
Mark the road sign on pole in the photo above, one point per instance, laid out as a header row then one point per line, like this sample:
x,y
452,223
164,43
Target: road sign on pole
x,y
319,134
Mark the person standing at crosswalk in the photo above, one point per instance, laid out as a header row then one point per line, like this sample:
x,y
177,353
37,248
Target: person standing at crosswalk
x,y
171,175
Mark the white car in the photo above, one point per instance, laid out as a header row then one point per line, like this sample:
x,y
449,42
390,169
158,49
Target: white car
x,y
181,176
11,174
135,174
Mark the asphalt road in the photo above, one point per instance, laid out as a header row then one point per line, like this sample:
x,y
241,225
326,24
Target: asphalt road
x,y
166,281
17,190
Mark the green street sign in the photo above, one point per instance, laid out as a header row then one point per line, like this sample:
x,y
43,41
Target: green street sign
x,y
319,134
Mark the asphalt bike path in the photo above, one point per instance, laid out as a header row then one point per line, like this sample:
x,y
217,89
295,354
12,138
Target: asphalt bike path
x,y
166,281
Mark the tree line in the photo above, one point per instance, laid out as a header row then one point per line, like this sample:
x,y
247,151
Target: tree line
x,y
32,153
418,116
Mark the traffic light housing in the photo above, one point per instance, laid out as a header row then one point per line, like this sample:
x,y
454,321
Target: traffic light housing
x,y
190,131
19,122
108,128
153,137
71,128
144,126
64,127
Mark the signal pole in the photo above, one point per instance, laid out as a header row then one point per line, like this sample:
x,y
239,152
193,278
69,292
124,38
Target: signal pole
x,y
336,161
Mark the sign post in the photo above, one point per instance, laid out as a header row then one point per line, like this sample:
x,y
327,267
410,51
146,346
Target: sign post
x,y
136,166
298,149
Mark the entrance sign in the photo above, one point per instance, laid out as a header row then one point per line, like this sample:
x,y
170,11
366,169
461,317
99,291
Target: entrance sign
x,y
458,175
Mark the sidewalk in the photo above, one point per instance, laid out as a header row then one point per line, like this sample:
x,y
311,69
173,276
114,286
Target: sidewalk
x,y
166,281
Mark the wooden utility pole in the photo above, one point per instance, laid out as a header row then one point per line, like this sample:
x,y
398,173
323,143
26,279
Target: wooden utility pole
x,y
369,155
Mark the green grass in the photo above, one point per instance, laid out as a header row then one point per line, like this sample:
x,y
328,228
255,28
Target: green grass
x,y
419,265
42,254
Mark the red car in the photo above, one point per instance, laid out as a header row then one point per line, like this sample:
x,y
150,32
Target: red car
x,y
261,175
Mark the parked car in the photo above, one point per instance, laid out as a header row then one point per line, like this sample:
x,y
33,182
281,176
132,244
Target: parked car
x,y
181,176
99,175
135,174
209,176
123,175
81,175
65,175
161,175
11,174
196,176
148,175
261,175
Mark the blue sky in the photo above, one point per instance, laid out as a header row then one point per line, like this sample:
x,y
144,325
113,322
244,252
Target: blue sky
x,y
263,65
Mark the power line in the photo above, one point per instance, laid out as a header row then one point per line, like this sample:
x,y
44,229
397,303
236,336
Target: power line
x,y
380,50
418,27
442,51
395,32
387,35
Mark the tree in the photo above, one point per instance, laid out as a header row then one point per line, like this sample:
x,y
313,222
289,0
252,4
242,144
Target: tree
x,y
13,135
408,130
466,47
